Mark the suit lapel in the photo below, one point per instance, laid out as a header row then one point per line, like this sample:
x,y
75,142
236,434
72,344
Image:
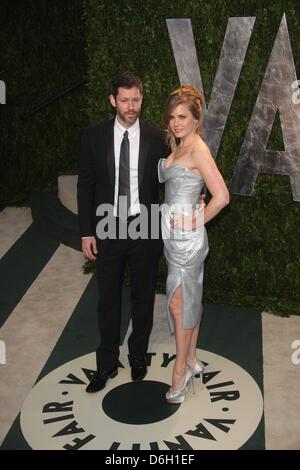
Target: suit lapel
x,y
110,151
143,151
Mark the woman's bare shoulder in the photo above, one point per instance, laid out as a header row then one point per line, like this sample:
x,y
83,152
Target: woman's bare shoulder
x,y
200,151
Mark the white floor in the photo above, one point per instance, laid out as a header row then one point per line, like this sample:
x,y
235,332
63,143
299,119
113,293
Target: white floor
x,y
281,382
31,332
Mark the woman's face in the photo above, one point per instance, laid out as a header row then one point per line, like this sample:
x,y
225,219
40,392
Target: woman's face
x,y
181,121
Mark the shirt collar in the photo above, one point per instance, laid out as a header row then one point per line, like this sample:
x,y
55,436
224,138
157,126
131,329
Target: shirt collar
x,y
132,130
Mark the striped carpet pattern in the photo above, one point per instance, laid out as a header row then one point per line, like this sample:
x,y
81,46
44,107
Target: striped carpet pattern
x,y
48,324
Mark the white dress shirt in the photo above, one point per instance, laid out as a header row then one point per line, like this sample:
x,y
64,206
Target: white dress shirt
x,y
134,145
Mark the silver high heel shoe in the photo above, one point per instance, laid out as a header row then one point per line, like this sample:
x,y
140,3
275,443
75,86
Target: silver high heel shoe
x,y
198,370
178,396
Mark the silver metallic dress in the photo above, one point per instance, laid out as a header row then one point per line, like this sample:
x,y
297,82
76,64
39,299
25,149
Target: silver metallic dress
x,y
185,250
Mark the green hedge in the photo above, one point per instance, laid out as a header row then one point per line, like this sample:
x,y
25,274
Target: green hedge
x,y
254,243
47,45
42,51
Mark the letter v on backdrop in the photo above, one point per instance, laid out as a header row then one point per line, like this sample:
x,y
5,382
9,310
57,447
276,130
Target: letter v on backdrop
x,y
275,94
2,92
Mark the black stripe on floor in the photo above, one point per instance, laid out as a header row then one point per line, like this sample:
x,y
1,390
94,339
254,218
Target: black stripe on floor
x,y
21,265
236,333
79,337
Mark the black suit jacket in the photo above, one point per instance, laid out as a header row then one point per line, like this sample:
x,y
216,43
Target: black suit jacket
x,y
96,178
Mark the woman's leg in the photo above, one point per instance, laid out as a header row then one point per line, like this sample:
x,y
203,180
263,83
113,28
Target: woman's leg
x,y
191,355
183,338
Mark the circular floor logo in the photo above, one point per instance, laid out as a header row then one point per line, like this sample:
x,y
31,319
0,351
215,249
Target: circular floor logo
x,y
222,413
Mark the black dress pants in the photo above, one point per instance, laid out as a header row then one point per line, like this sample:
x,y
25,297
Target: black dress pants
x,y
142,256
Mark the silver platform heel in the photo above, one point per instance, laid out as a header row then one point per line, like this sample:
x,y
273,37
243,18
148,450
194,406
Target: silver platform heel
x,y
178,396
198,371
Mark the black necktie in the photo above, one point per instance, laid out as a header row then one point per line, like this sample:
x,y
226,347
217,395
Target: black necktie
x,y
124,178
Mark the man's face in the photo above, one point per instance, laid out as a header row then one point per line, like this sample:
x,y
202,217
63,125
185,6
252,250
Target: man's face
x,y
128,103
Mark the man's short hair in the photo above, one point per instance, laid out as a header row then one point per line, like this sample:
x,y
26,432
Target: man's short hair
x,y
125,80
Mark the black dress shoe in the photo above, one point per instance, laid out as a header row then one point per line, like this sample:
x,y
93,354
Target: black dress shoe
x,y
138,370
99,380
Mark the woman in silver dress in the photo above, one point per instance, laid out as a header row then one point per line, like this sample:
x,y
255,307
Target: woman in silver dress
x,y
188,168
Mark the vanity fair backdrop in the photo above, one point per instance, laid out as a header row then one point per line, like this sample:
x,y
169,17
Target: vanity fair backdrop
x,y
244,55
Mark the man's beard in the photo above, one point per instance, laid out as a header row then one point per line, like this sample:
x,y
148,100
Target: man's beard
x,y
129,119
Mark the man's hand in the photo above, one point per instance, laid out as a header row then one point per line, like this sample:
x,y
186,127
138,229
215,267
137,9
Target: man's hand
x,y
201,200
181,221
191,222
89,247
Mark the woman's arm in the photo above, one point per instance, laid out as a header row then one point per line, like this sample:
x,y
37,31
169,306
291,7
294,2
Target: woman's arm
x,y
205,164
214,181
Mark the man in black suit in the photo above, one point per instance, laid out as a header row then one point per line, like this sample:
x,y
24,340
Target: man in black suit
x,y
119,157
